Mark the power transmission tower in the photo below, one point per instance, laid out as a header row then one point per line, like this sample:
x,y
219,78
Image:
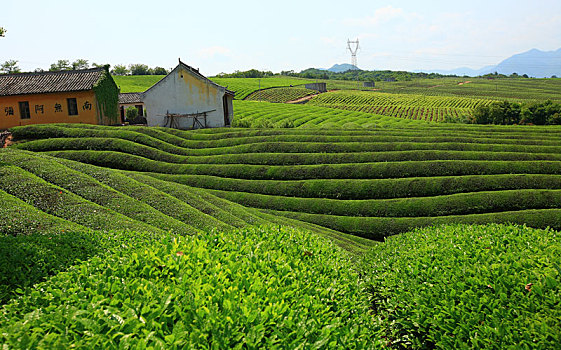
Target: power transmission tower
x,y
353,47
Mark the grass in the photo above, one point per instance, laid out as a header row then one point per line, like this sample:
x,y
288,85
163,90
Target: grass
x,y
136,83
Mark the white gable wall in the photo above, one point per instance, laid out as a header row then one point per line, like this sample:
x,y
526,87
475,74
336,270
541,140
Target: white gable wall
x,y
183,92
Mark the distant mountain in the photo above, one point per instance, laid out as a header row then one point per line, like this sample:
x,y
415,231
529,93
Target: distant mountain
x,y
340,68
534,63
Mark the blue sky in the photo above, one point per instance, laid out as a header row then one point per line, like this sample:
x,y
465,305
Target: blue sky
x,y
224,36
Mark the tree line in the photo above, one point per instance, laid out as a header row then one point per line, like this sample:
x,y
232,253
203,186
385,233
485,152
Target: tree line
x,y
509,113
11,66
313,73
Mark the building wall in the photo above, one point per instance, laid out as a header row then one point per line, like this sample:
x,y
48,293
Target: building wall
x,y
321,87
48,108
181,92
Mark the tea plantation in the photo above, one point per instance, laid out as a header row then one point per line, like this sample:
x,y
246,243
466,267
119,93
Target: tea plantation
x,y
402,234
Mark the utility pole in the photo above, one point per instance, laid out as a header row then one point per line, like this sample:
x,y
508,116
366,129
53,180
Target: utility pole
x,y
353,47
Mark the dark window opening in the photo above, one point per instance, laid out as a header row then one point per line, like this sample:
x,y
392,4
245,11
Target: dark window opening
x,y
72,106
24,110
140,110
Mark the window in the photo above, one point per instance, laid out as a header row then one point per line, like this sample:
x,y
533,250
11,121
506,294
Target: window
x,y
140,110
24,110
72,106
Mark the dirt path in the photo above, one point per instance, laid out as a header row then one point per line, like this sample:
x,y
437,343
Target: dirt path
x,y
302,100
305,99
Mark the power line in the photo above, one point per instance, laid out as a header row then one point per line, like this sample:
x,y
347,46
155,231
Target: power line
x,y
353,51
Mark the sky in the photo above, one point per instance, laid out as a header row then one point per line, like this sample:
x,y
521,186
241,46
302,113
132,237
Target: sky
x,y
225,36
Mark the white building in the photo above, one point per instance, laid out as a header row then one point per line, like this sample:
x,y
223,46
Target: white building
x,y
186,99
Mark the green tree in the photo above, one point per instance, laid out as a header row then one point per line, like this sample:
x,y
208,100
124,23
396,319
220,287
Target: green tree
x,y
131,114
481,115
2,32
504,113
139,69
120,69
159,71
10,66
97,65
60,65
80,64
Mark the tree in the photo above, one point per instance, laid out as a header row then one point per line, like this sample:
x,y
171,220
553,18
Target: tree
x,y
60,65
139,69
159,71
10,66
132,114
80,64
2,32
120,69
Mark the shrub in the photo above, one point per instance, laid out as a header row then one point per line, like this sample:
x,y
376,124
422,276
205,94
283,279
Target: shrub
x,y
460,286
131,114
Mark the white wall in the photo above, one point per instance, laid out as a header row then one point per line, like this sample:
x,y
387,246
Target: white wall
x,y
182,92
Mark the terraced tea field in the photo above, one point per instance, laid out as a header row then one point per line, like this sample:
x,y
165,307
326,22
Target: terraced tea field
x,y
280,95
150,236
369,184
251,114
245,86
406,106
512,89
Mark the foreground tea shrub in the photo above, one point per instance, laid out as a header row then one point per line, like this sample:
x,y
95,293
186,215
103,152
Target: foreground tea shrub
x,y
491,286
251,288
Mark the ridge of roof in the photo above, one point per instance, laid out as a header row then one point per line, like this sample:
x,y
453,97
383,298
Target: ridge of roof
x,y
196,73
53,72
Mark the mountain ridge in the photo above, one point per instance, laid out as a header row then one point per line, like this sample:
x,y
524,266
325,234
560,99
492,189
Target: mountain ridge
x,y
534,63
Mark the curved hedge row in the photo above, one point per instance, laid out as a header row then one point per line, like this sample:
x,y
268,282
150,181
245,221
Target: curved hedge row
x,y
60,202
92,190
267,158
380,170
371,189
455,204
401,173
155,137
380,227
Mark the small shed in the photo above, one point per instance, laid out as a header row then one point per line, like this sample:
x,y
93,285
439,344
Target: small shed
x,y
185,99
369,84
321,87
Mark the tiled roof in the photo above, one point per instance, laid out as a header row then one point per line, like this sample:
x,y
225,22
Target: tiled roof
x,y
45,82
130,97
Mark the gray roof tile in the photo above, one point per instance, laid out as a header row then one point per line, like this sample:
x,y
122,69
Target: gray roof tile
x,y
130,97
48,82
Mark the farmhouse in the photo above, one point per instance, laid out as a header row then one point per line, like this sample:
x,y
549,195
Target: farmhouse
x,y
186,99
78,96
